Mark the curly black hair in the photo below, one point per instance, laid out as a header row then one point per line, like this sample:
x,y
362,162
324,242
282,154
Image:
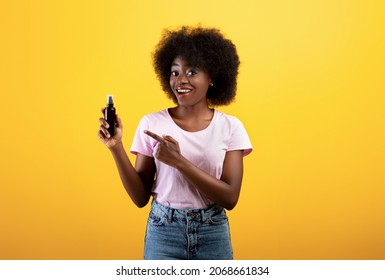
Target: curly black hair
x,y
205,48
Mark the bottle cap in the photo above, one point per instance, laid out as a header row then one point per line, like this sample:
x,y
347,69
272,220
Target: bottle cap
x,y
110,100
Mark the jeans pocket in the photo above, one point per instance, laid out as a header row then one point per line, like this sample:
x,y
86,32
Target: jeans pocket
x,y
156,220
218,218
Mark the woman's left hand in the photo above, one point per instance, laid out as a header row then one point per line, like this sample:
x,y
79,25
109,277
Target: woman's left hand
x,y
168,150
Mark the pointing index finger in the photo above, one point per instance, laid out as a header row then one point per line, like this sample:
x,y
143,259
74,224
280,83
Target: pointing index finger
x,y
154,136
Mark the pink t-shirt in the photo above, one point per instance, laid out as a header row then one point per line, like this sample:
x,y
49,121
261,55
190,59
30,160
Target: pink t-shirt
x,y
205,148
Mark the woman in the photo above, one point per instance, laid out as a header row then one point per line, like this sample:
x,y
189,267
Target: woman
x,y
189,158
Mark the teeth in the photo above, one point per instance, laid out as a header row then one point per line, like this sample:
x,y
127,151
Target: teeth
x,y
183,90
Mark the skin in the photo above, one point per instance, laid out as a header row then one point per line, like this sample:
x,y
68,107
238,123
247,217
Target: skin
x,y
191,114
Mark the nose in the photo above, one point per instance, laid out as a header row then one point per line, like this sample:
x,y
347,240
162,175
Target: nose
x,y
182,79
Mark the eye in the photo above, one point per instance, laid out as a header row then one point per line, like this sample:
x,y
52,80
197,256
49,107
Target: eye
x,y
174,73
191,73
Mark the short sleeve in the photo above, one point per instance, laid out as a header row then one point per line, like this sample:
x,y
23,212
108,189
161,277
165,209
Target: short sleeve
x,y
141,143
239,139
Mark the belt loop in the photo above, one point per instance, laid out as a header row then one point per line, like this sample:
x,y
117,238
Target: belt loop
x,y
170,214
203,216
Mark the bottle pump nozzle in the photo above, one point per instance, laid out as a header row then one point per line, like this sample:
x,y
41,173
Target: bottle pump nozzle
x,y
110,100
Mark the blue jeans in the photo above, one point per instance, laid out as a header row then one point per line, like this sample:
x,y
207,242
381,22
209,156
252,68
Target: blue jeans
x,y
198,234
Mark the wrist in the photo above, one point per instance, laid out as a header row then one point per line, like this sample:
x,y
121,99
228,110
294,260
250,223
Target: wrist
x,y
181,163
116,147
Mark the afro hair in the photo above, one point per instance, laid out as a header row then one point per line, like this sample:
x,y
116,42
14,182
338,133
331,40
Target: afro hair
x,y
205,48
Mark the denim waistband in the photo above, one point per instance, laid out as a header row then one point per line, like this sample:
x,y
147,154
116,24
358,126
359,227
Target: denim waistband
x,y
200,215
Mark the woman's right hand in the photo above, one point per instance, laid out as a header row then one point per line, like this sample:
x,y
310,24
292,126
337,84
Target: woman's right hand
x,y
105,137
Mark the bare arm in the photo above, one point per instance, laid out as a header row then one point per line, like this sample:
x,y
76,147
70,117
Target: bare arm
x,y
225,191
136,181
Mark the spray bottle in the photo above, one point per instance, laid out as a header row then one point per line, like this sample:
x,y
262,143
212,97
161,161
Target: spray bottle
x,y
110,115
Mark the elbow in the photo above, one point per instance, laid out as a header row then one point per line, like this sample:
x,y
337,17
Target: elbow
x,y
230,204
140,203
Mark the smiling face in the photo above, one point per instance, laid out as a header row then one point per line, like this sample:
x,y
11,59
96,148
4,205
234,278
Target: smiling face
x,y
189,83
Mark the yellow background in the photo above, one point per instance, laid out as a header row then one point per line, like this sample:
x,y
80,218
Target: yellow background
x,y
311,95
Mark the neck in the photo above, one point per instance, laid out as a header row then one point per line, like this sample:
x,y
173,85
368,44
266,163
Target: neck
x,y
193,111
